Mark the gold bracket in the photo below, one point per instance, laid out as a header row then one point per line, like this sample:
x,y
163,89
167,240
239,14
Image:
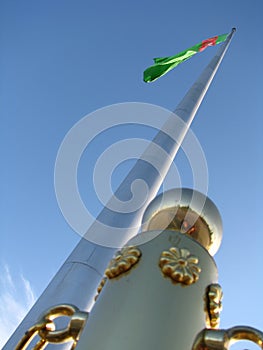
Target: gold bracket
x,y
221,339
45,328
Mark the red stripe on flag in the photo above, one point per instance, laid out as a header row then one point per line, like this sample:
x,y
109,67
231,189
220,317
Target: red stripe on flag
x,y
208,42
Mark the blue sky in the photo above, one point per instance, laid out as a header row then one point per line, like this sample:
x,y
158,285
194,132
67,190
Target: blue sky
x,y
63,60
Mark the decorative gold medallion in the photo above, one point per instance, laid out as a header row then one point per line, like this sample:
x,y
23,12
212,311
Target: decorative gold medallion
x,y
213,305
123,261
180,265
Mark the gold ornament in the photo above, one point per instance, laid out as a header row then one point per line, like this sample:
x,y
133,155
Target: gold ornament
x,y
123,261
213,304
224,338
101,285
46,328
180,265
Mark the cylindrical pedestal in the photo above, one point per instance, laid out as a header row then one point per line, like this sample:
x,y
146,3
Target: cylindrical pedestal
x,y
159,302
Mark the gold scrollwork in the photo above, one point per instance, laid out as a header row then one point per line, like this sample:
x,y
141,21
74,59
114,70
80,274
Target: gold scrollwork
x,y
180,265
45,328
123,261
213,305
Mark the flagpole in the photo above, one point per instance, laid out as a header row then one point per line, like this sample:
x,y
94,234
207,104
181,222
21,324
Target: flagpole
x,y
77,279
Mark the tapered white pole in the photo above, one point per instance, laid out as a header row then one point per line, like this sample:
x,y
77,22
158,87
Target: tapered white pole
x,y
77,279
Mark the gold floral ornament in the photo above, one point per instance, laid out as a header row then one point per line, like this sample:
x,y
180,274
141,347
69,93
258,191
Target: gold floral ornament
x,y
123,261
180,265
213,305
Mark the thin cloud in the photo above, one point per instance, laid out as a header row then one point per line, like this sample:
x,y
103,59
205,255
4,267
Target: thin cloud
x,y
16,298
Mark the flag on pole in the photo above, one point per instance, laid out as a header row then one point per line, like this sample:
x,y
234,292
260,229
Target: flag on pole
x,y
163,65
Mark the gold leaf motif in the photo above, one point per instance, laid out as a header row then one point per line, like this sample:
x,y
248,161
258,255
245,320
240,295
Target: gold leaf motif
x,y
123,261
213,304
180,265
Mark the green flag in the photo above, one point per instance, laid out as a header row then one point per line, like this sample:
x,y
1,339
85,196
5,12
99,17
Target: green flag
x,y
163,65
